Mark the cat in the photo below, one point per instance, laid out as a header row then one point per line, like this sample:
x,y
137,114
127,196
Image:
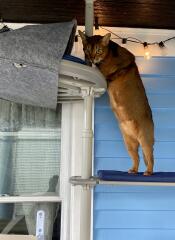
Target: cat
x,y
127,96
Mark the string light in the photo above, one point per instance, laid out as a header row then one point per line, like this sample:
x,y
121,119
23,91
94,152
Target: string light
x,y
161,44
124,40
76,43
163,48
147,54
146,45
96,23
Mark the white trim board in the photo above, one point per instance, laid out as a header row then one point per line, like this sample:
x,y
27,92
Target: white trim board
x,y
65,169
76,167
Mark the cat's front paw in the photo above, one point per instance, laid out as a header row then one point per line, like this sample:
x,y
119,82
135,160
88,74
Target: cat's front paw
x,y
132,171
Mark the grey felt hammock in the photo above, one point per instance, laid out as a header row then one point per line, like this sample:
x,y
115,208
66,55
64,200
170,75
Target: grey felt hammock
x,y
30,62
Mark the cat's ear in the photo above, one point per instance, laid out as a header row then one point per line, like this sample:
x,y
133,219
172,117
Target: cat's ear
x,y
105,39
83,36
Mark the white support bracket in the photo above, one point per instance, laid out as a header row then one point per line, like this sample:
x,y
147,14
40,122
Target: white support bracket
x,y
85,183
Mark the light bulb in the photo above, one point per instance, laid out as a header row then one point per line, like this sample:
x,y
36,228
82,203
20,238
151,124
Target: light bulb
x,y
147,54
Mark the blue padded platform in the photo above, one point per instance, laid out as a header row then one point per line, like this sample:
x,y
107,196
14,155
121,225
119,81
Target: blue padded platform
x,y
110,175
74,59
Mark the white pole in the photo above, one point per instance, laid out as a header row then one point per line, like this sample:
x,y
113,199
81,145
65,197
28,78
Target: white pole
x,y
85,213
89,17
87,137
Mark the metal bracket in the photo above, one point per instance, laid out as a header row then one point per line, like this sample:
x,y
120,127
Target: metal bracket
x,y
86,183
87,91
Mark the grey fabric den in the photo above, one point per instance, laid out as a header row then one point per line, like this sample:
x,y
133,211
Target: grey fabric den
x,y
29,62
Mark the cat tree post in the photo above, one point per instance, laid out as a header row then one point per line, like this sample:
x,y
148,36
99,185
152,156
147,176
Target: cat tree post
x,y
89,17
86,196
87,141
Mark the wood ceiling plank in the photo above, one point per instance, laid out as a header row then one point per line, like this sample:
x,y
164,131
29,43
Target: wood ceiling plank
x,y
121,13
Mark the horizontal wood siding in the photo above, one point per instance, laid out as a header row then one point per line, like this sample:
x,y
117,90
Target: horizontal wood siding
x,y
137,212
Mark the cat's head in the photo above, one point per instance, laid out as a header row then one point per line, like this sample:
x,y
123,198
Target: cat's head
x,y
95,47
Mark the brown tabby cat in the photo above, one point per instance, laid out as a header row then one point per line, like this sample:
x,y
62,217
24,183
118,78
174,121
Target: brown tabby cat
x,y
127,95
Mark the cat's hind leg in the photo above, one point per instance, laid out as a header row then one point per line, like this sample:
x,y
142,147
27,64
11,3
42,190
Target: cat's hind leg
x,y
147,143
132,147
148,157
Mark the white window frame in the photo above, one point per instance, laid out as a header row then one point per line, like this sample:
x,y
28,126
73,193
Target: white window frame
x,y
46,197
30,199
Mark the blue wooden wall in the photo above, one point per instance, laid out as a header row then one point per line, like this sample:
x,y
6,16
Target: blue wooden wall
x,y
130,212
